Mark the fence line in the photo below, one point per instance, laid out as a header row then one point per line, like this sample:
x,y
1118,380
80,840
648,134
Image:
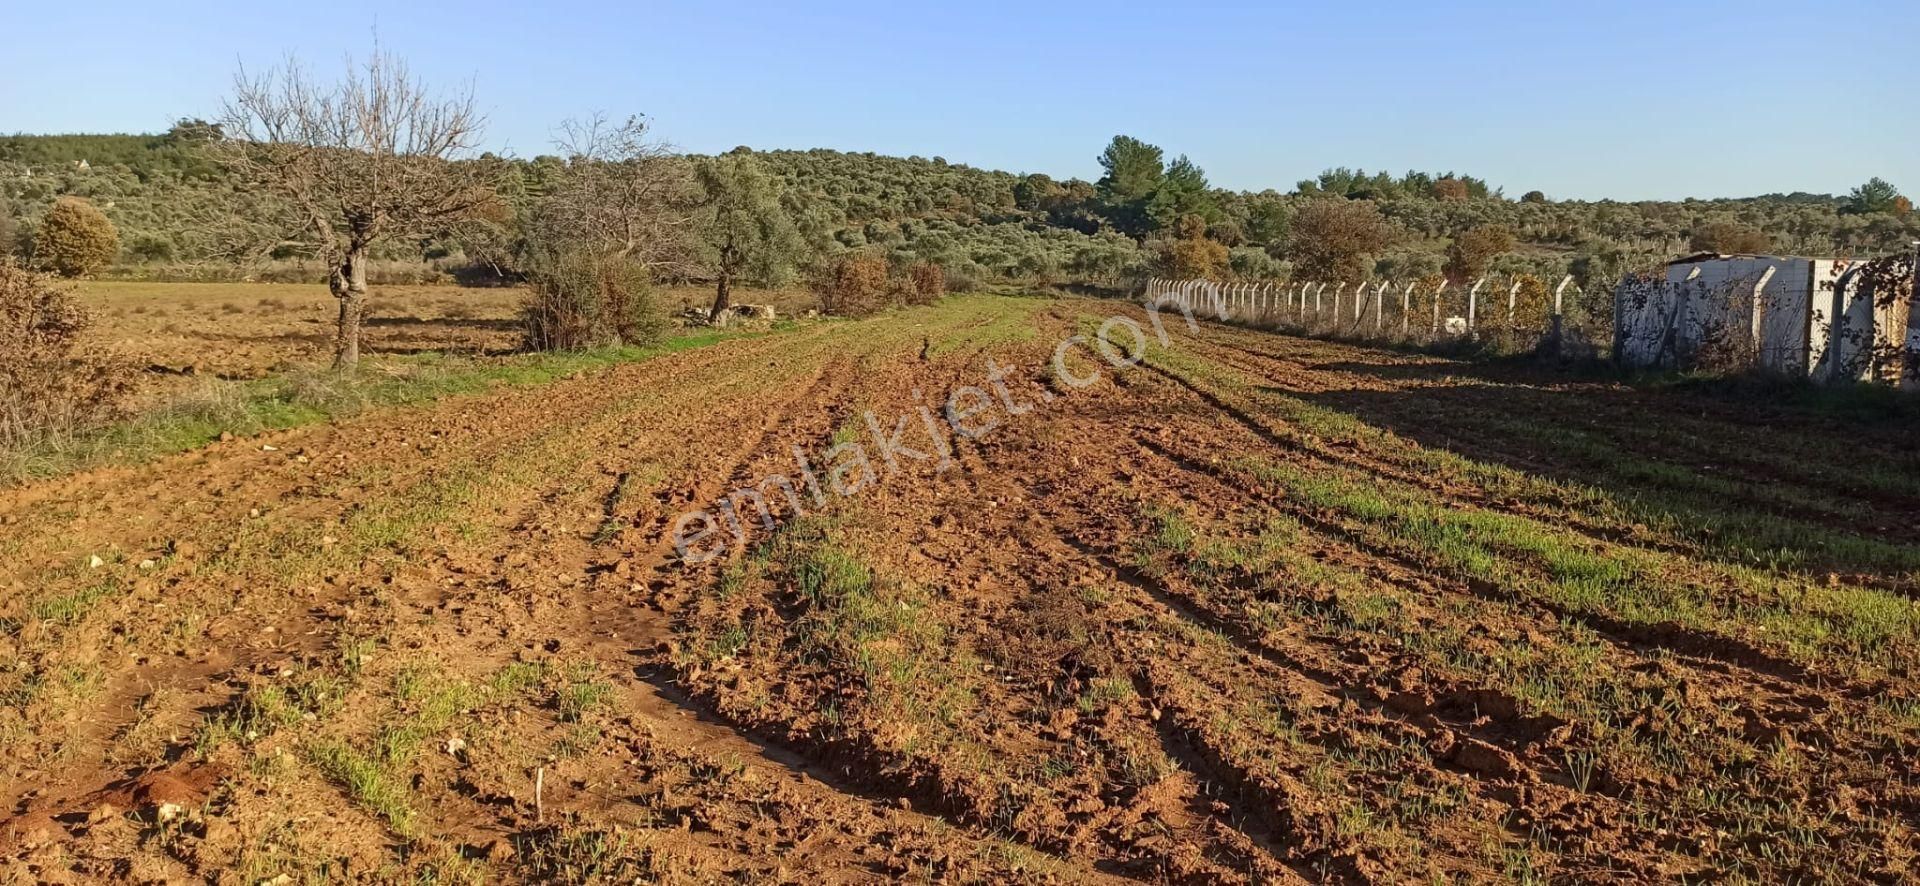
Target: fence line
x,y
1427,313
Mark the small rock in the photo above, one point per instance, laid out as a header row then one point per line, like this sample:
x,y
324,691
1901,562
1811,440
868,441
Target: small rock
x,y
270,448
102,812
455,745
226,436
167,811
94,562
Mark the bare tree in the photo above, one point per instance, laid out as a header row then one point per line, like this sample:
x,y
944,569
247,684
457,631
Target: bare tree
x,y
373,157
622,194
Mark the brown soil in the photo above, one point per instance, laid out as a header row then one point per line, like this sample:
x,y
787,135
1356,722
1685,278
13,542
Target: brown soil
x,y
1140,631
246,330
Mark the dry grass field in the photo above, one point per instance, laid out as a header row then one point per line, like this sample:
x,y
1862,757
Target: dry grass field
x,y
1251,609
246,330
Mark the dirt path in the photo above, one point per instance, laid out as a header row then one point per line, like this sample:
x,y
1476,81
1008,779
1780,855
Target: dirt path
x,y
1256,609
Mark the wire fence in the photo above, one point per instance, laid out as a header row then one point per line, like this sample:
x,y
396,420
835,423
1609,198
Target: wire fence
x,y
1514,314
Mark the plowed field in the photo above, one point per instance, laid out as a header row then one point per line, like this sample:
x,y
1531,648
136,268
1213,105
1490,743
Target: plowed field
x,y
1231,607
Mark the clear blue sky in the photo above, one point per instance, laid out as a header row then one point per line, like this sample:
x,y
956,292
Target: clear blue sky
x,y
1631,99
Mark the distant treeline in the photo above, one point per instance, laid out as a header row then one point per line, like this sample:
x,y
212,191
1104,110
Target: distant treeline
x,y
1147,214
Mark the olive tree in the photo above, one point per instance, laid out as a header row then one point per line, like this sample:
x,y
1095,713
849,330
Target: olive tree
x,y
744,230
375,156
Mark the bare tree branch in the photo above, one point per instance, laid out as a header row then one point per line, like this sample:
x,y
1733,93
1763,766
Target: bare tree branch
x,y
374,156
621,193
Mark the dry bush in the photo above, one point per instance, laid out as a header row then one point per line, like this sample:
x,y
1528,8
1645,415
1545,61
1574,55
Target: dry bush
x,y
1333,239
1725,346
1195,256
1527,317
925,284
1730,238
581,300
1473,251
856,286
49,384
75,239
1890,282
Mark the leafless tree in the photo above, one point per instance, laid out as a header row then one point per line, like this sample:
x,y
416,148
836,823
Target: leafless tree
x,y
375,156
622,194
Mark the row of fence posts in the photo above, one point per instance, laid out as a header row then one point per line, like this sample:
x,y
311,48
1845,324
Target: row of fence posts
x,y
1262,301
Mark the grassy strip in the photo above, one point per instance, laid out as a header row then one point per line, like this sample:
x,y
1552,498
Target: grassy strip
x,y
1654,500
307,397
1842,626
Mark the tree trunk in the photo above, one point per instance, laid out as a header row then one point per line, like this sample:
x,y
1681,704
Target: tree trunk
x,y
722,297
349,285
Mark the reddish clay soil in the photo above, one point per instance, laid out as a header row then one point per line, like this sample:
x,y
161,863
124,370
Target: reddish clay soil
x,y
1255,609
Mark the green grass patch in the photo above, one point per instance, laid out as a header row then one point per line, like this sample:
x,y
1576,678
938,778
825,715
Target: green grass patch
x,y
70,607
1661,503
1840,624
308,397
369,781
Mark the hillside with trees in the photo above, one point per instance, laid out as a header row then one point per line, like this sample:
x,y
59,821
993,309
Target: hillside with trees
x,y
179,212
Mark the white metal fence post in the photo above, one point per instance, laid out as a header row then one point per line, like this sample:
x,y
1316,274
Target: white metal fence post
x,y
1473,303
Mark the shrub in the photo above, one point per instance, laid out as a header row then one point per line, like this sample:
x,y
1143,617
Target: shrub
x,y
49,385
1332,239
855,286
9,227
582,300
1732,238
1471,252
964,278
1254,263
75,239
1193,255
925,284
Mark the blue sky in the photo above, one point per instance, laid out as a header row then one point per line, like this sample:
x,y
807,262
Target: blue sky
x,y
1630,99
